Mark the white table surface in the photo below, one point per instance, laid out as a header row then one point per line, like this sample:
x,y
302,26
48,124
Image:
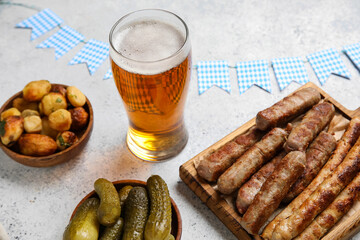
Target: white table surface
x,y
37,203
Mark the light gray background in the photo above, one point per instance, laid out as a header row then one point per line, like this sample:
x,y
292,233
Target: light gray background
x,y
37,203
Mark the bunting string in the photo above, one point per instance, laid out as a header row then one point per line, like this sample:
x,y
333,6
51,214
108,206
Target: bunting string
x,y
209,73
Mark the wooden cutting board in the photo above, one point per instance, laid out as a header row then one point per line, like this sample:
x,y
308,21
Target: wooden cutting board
x,y
344,229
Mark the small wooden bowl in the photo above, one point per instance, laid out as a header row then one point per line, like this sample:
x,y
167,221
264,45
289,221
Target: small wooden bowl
x,y
58,157
176,223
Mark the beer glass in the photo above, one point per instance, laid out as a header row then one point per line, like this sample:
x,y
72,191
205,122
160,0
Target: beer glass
x,y
150,55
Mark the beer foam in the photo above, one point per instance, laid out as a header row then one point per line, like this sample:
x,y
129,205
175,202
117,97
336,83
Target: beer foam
x,y
150,41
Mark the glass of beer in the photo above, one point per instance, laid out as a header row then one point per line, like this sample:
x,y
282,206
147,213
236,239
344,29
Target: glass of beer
x,y
150,53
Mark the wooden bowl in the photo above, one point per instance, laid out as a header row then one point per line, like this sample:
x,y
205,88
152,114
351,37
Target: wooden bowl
x,y
176,223
58,157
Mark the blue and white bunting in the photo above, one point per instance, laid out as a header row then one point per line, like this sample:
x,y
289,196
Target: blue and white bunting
x,y
353,52
289,69
41,23
93,54
253,72
326,62
212,73
63,41
108,74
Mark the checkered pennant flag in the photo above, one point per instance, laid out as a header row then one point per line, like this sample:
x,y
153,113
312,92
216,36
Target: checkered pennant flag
x,y
289,69
212,73
93,53
41,23
63,41
108,74
326,62
353,52
253,72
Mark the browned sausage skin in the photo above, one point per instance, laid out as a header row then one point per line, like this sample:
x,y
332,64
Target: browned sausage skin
x,y
248,191
346,142
288,108
317,154
314,121
273,191
211,167
252,160
334,212
321,197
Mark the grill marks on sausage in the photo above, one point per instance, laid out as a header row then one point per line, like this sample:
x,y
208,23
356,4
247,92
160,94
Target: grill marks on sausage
x,y
314,121
216,163
287,109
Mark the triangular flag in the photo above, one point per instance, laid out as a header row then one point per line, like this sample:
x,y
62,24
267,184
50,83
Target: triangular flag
x,y
108,74
353,52
289,69
63,41
41,23
212,73
253,72
326,62
93,54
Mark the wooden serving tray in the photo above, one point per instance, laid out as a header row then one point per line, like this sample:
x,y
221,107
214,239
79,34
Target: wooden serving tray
x,y
348,226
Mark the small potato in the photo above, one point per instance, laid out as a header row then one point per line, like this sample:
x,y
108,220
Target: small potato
x,y
66,139
11,129
41,111
75,96
60,120
58,89
79,118
36,145
35,90
10,112
28,113
52,102
21,104
46,129
32,124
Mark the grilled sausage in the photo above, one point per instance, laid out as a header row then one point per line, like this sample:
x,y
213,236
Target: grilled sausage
x,y
273,191
317,154
248,191
211,167
252,160
287,109
346,142
333,213
321,197
313,122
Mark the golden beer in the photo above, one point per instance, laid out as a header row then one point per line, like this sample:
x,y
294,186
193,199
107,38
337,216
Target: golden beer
x,y
151,64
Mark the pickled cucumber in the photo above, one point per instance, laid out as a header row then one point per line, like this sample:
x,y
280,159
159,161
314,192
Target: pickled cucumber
x,y
136,212
84,225
158,225
109,210
123,194
113,232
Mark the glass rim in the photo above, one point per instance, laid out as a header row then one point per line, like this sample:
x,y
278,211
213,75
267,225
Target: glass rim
x,y
146,10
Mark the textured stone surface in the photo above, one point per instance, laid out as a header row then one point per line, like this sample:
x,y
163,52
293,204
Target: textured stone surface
x,y
37,203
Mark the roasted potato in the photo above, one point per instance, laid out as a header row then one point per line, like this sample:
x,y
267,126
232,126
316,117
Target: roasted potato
x,y
60,120
37,145
66,139
36,90
46,129
79,118
59,89
11,129
21,104
10,112
52,102
75,96
32,124
28,113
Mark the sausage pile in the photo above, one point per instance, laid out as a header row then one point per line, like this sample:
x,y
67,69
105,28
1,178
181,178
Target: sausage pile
x,y
301,165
